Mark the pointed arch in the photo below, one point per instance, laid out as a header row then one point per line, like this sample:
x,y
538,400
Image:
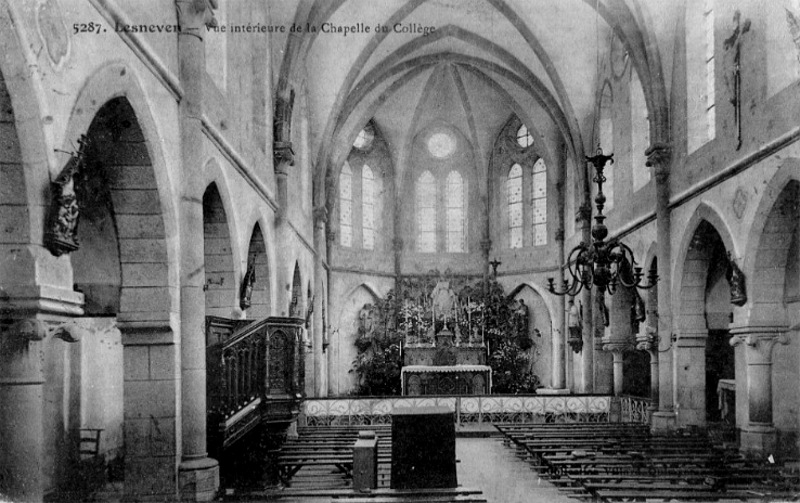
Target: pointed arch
x,y
296,301
220,281
260,301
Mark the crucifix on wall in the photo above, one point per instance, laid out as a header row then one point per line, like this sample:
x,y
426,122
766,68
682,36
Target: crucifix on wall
x,y
735,42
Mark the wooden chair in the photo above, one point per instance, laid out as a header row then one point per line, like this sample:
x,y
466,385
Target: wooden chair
x,y
90,442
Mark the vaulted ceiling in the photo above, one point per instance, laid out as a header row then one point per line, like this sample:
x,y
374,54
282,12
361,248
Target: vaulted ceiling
x,y
485,60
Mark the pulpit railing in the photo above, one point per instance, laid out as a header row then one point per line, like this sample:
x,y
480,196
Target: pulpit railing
x,y
243,367
635,409
254,374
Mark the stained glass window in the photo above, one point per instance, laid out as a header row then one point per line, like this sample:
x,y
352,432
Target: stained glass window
x,y
368,208
539,202
346,206
441,145
524,137
455,213
514,197
426,213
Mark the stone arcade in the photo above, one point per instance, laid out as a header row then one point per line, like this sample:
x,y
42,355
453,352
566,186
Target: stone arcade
x,y
193,221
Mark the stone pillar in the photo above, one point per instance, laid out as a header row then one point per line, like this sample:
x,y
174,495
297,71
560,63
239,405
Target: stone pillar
x,y
320,218
560,327
198,475
21,387
615,408
603,360
587,351
30,314
759,435
659,158
689,379
648,342
560,356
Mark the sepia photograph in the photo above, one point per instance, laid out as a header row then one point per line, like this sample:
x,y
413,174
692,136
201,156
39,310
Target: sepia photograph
x,y
399,251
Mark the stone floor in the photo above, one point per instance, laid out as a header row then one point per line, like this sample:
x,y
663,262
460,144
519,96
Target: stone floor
x,y
486,464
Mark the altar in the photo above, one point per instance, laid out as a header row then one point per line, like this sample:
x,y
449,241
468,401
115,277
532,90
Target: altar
x,y
449,366
446,380
443,334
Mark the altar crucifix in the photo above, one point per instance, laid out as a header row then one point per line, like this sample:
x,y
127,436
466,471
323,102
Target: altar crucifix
x,y
495,264
735,42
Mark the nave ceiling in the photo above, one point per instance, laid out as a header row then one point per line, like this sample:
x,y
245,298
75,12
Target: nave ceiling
x,y
485,60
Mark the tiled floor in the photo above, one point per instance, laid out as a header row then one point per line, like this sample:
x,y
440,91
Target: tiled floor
x,y
487,465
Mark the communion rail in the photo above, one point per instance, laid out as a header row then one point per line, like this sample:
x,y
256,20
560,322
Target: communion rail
x,y
483,409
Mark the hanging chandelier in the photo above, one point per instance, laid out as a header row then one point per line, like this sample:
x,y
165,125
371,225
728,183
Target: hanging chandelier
x,y
601,264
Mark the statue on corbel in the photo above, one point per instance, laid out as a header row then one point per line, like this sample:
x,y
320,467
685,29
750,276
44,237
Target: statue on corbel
x,y
736,280
248,283
282,152
61,235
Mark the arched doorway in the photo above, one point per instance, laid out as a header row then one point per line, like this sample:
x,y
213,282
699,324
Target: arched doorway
x,y
122,269
540,332
703,354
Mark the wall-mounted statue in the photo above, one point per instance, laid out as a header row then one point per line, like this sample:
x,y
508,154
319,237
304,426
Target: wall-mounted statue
x,y
638,314
575,326
736,280
62,222
248,282
443,299
283,154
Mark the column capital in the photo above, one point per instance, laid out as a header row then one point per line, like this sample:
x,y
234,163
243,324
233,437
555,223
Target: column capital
x,y
193,15
658,156
616,345
282,156
759,342
648,341
320,215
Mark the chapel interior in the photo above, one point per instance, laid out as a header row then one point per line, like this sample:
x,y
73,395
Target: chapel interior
x,y
249,248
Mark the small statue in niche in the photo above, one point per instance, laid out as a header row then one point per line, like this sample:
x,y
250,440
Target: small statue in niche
x,y
248,282
735,278
365,322
522,325
62,223
575,326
